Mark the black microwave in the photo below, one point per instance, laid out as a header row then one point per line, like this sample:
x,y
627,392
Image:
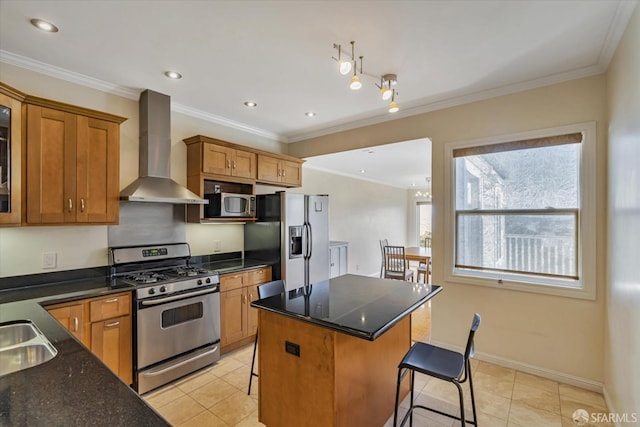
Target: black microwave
x,y
230,205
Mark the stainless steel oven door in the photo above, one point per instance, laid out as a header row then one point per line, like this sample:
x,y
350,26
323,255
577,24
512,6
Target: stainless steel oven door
x,y
174,325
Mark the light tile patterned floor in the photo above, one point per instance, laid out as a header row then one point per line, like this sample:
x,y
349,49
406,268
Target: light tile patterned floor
x,y
217,396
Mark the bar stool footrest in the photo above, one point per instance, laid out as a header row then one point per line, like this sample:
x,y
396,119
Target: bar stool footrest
x,y
413,406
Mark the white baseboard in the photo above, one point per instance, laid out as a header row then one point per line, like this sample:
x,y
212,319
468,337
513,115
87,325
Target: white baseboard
x,y
560,377
609,403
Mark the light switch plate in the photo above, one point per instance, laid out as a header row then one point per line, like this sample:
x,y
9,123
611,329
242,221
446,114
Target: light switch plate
x,y
217,246
49,260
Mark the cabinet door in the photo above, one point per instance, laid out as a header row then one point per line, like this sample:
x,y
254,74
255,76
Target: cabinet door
x,y
216,159
98,151
110,307
232,281
244,164
72,317
258,276
268,169
232,316
51,166
291,173
111,341
10,159
252,313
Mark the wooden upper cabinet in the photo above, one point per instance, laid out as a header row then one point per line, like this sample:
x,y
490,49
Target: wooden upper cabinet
x,y
221,160
72,165
10,155
98,170
214,159
279,171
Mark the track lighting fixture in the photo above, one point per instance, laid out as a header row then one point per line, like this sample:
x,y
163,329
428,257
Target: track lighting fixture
x,y
387,81
355,81
393,107
344,65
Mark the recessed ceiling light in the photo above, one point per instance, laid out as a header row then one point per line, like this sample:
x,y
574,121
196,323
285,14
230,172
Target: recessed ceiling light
x,y
44,25
413,184
173,75
363,171
250,104
310,114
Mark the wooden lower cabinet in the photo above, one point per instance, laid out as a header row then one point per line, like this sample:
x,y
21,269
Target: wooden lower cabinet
x,y
111,342
239,321
103,324
72,317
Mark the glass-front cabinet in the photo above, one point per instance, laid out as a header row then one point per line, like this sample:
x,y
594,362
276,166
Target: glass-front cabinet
x,y
10,154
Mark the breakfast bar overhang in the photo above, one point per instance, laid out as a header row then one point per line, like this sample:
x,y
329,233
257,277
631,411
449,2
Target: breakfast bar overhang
x,y
329,353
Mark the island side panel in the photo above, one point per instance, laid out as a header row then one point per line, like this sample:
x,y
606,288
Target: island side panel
x,y
295,391
366,374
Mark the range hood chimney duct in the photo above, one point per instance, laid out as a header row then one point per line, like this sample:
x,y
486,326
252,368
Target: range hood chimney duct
x,y
154,183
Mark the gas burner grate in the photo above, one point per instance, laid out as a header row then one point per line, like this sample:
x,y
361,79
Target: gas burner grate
x,y
147,278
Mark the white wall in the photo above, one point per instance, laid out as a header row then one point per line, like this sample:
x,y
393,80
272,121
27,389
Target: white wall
x,y
360,212
622,349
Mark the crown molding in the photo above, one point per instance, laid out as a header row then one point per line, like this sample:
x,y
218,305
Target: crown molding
x,y
67,75
455,101
353,176
125,92
616,30
212,118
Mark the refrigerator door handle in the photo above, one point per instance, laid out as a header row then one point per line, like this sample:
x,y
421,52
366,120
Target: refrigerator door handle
x,y
309,240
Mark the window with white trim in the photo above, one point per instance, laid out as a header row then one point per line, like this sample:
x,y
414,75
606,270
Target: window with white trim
x,y
518,211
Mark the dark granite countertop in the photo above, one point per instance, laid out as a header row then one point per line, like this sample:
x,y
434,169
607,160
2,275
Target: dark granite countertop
x,y
361,306
74,388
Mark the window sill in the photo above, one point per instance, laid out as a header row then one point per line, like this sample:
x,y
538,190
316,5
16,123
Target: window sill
x,y
555,287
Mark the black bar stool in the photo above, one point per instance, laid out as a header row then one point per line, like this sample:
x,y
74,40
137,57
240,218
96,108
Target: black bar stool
x,y
265,290
443,364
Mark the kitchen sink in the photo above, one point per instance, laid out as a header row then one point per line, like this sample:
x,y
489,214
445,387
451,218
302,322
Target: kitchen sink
x,y
23,346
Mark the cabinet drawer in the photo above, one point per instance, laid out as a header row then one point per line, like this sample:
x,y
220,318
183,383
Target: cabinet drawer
x,y
232,281
259,275
108,307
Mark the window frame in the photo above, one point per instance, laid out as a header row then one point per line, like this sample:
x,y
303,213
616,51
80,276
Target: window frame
x,y
585,286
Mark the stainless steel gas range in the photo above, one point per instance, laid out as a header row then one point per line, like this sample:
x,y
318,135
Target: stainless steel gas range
x,y
176,309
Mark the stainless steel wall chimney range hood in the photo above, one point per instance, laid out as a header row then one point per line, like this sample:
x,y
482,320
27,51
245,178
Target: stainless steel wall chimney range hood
x,y
154,184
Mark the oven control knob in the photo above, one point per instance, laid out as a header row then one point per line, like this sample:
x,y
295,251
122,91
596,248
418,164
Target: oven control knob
x,y
199,281
208,280
163,289
152,291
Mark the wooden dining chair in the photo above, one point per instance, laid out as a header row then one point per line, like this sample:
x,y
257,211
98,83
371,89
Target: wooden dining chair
x,y
383,243
396,265
424,271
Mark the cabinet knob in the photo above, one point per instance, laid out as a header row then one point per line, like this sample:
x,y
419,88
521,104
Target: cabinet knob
x,y
235,164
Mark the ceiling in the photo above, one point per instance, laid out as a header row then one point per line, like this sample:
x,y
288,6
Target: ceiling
x,y
279,53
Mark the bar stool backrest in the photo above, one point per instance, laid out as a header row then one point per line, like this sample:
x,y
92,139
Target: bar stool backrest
x,y
270,289
475,324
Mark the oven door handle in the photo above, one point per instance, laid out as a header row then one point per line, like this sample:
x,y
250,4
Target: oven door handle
x,y
176,297
184,362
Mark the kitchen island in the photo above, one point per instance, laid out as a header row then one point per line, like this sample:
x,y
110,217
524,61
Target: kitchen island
x,y
328,354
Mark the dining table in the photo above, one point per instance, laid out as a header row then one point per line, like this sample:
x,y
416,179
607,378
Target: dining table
x,y
418,253
421,255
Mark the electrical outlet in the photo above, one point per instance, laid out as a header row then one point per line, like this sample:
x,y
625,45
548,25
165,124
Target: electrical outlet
x,y
49,260
217,246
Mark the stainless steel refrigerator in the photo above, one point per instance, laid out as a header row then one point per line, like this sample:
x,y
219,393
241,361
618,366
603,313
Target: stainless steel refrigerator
x,y
292,234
